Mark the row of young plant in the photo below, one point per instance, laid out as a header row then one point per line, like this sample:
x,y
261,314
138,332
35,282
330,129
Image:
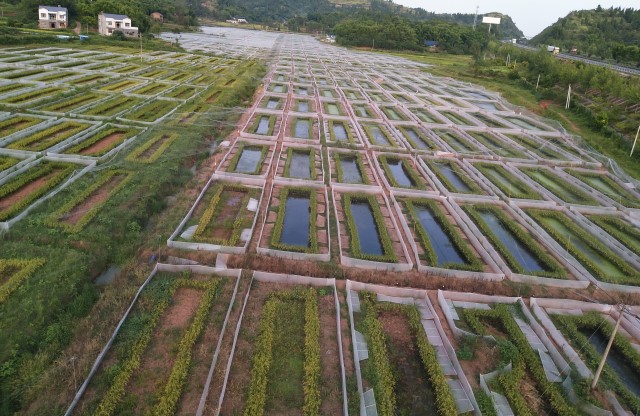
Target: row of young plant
x,y
57,218
6,162
216,203
562,190
552,268
571,327
619,229
151,89
120,85
263,352
14,272
32,95
74,102
112,106
152,111
437,166
172,390
631,275
522,357
310,152
49,137
417,182
515,189
17,123
339,157
182,92
388,255
471,261
611,188
276,234
241,147
124,133
162,141
385,376
55,172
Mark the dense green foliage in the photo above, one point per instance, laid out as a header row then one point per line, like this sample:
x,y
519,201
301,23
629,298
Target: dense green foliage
x,y
603,33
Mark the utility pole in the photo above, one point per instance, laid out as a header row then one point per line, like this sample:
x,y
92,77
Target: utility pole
x,y
475,18
538,82
566,106
634,142
606,351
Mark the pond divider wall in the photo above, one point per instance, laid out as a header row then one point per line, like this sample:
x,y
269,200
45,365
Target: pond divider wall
x,y
496,275
171,241
159,267
291,254
367,264
88,166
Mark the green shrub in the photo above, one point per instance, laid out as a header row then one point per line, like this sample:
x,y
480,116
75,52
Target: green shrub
x,y
14,272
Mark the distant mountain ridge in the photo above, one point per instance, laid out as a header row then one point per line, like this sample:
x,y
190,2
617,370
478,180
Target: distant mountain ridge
x,y
604,33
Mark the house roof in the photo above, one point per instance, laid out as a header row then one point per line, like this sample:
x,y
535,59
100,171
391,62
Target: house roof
x,y
115,16
53,9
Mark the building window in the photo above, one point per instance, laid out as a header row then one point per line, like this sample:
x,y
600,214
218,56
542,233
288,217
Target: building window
x,y
43,15
127,25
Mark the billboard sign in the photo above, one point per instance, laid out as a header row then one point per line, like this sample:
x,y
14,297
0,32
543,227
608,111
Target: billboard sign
x,y
491,20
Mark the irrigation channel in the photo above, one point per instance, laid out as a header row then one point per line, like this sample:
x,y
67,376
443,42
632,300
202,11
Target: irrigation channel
x,y
295,229
368,233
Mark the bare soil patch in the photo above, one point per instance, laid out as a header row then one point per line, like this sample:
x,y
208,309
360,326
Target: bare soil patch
x,y
26,190
331,392
97,197
103,144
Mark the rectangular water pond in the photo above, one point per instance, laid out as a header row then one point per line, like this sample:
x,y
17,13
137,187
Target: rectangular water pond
x,y
401,174
442,244
263,125
368,233
295,228
609,187
511,186
339,131
350,169
454,182
301,128
299,164
417,140
559,187
377,136
457,143
250,159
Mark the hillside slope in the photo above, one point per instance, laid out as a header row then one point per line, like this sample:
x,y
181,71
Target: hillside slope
x,y
603,33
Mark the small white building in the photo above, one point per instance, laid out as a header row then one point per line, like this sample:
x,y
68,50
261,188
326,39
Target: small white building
x,y
109,23
50,17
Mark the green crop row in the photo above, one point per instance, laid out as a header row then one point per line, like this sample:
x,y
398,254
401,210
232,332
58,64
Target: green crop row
x,y
6,162
71,103
152,110
165,141
119,86
510,383
23,74
173,389
552,268
313,231
472,261
58,172
14,272
32,95
384,382
182,92
56,218
619,229
17,123
564,190
455,168
338,163
550,392
150,89
112,106
236,158
593,322
388,255
49,137
124,132
515,189
240,222
632,276
416,180
615,191
312,161
445,404
117,389
263,353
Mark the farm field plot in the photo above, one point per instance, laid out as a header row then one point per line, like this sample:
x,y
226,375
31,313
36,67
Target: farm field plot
x,y
402,371
300,163
7,162
32,96
71,103
603,263
248,158
417,138
402,172
288,339
558,186
151,111
351,167
620,229
16,123
153,148
112,106
49,137
160,358
224,216
456,141
453,177
440,240
18,192
102,141
507,183
608,186
297,221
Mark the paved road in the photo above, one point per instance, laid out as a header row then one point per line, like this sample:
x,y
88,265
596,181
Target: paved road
x,y
623,69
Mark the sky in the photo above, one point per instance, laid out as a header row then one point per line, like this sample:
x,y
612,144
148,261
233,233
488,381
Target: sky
x,y
530,16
